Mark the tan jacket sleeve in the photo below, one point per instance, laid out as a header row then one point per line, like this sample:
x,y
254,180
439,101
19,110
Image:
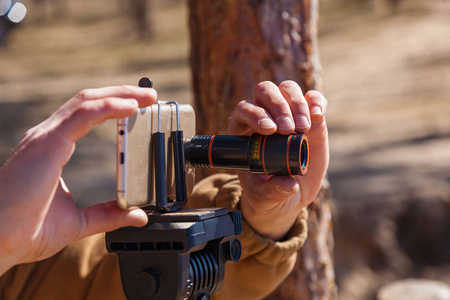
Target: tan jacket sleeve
x,y
264,263
85,271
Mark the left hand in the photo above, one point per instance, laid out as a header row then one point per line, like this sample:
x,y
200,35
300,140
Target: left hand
x,y
270,204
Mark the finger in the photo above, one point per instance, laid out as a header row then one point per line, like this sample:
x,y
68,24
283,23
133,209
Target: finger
x,y
249,117
144,96
317,106
87,114
292,92
268,96
107,217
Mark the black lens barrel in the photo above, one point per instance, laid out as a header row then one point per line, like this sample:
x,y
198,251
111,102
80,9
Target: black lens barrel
x,y
272,154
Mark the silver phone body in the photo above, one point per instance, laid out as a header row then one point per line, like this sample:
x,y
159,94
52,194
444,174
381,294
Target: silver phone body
x,y
135,165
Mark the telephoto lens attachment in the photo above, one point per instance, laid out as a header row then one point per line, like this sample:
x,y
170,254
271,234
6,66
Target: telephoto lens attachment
x,y
261,154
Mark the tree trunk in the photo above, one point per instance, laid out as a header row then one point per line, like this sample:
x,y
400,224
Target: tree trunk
x,y
236,45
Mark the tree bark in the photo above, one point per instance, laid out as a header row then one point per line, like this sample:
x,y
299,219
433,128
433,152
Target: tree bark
x,y
237,44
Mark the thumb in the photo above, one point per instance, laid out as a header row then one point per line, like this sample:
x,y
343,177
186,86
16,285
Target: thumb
x,y
108,216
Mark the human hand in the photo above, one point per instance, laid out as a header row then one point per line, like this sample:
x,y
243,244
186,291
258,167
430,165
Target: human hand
x,y
38,216
270,204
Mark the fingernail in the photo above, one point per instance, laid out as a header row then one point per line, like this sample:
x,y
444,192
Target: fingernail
x,y
301,122
139,216
316,110
266,123
285,123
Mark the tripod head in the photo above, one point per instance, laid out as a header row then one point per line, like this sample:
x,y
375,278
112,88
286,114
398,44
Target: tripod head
x,y
178,255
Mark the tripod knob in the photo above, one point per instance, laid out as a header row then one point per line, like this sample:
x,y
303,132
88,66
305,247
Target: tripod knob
x,y
232,250
148,283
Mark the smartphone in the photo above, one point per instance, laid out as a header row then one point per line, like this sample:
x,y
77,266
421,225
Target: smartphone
x,y
135,162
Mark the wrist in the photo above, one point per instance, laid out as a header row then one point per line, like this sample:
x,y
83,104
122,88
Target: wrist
x,y
274,223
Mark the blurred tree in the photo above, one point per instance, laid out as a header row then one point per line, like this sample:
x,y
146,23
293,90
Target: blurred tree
x,y
139,11
237,44
50,9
